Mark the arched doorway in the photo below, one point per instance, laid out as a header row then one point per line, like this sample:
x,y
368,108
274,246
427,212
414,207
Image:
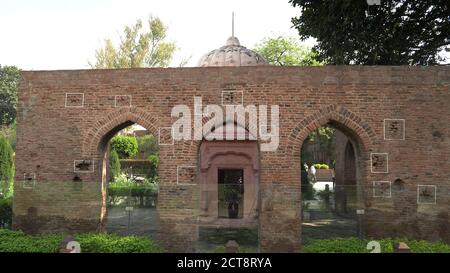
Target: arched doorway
x,y
229,180
332,183
130,185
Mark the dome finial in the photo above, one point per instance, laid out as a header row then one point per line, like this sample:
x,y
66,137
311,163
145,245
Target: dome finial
x,y
232,54
232,24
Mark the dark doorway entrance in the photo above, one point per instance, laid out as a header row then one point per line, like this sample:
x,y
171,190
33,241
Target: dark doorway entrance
x,y
230,193
330,193
130,181
229,181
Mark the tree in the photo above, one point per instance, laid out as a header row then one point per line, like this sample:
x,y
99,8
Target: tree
x,y
285,51
9,81
9,132
125,146
137,48
325,138
147,145
154,162
396,32
319,146
6,167
114,164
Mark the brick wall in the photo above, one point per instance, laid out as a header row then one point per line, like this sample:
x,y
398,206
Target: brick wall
x,y
65,118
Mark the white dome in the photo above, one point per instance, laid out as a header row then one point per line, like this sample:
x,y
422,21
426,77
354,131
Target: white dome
x,y
232,54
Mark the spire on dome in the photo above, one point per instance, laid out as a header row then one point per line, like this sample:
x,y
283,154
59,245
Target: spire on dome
x,y
232,54
232,24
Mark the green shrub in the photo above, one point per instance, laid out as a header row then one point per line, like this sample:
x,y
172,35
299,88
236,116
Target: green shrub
x,y
114,164
5,212
355,245
17,241
9,132
111,243
135,191
6,167
147,145
125,146
122,186
321,166
154,160
122,180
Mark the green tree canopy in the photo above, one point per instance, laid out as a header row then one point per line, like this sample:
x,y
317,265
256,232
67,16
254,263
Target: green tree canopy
x,y
397,32
147,145
285,51
324,137
138,47
114,164
9,81
125,146
9,132
6,167
154,161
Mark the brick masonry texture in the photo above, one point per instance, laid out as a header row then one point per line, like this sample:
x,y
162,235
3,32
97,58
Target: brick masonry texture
x,y
53,134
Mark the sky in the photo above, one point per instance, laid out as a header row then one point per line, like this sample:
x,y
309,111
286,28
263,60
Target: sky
x,y
64,34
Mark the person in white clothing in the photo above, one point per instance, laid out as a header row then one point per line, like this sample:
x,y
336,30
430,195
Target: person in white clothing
x,y
313,173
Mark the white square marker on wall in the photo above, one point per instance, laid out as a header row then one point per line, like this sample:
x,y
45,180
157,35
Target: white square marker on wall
x,y
29,181
165,136
74,100
379,162
394,129
426,194
382,189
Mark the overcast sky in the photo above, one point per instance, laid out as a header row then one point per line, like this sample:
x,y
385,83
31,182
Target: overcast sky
x,y
63,34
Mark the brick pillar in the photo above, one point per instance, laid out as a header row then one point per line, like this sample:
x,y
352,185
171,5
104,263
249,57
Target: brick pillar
x,y
178,208
280,223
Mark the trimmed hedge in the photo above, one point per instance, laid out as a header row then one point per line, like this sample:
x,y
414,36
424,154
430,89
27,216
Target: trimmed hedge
x,y
17,241
135,191
355,245
112,243
320,166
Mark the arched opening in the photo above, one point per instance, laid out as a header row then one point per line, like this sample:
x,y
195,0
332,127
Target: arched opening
x,y
332,180
229,180
129,159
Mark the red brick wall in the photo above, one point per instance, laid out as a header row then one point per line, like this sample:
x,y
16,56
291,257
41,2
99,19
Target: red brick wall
x,y
50,136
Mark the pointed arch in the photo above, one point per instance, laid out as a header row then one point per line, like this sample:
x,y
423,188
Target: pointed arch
x,y
341,118
192,147
114,121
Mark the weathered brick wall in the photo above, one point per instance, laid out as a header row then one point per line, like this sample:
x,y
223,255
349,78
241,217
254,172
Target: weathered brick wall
x,y
53,132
